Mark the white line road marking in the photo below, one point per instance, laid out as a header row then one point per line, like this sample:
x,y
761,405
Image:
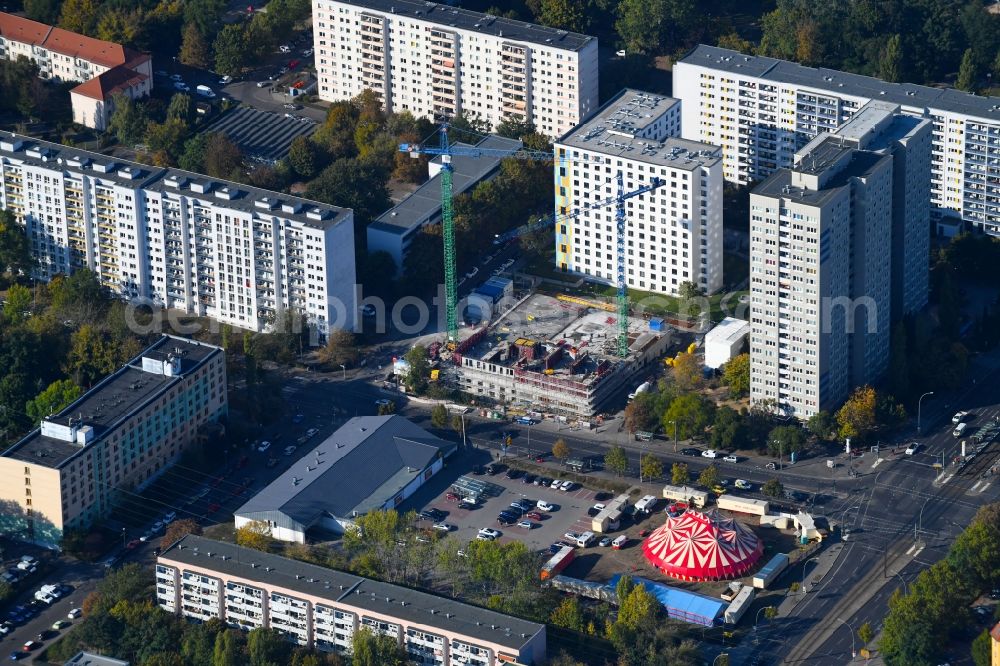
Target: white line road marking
x,y
944,478
909,551
919,550
985,486
876,463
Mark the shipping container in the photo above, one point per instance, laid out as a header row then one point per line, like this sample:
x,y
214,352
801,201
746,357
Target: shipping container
x,y
558,562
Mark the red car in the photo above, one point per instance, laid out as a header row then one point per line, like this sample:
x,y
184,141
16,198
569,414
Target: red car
x,y
534,515
292,64
645,533
452,497
540,458
213,507
133,544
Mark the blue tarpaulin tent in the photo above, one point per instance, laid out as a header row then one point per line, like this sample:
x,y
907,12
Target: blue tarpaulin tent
x,y
680,604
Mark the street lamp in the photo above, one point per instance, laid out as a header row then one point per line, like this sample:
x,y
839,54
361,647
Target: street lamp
x,y
918,408
780,452
123,537
675,434
854,652
343,370
919,525
465,443
804,565
900,576
757,618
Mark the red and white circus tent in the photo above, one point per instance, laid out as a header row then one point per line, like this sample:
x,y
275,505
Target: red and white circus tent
x,y
702,546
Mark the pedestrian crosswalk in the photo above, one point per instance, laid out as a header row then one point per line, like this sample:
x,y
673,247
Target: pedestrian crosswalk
x,y
980,486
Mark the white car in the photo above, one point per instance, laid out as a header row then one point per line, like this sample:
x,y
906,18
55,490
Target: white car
x,y
959,417
620,53
225,80
743,484
471,274
526,524
572,536
600,506
264,446
443,527
4,629
731,458
555,484
489,533
263,84
285,48
566,486
311,432
545,506
912,448
75,613
170,517
289,450
180,85
709,453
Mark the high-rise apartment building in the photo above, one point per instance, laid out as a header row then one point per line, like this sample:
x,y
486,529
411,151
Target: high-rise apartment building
x,y
819,236
762,110
674,233
118,436
182,240
322,608
437,61
102,68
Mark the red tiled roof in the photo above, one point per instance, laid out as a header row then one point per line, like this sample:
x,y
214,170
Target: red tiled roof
x,y
23,30
62,41
112,81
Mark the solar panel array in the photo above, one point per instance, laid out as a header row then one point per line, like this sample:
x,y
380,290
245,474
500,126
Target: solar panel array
x,y
262,136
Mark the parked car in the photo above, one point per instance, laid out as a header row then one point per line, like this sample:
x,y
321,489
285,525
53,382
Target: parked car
x,y
555,484
959,417
31,645
743,484
690,452
264,446
513,473
566,486
180,85
528,478
263,84
572,536
285,48
545,506
75,613
605,542
771,465
225,80
292,107
443,527
912,448
6,628
289,450
709,453
467,503
59,624
489,532
471,274
534,515
311,432
731,458
17,656
525,524
436,515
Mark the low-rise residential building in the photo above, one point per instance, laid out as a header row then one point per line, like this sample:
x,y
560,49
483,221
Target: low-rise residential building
x,y
437,61
102,68
673,234
322,608
176,239
91,659
120,435
395,229
369,463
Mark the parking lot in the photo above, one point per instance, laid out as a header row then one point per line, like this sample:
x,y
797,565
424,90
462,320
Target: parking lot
x,y
569,514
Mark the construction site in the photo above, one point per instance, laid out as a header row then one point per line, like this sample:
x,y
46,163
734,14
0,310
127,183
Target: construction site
x,y
558,355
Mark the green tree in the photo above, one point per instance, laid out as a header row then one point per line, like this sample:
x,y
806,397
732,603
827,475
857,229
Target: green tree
x,y
733,41
688,372
256,534
353,184
822,424
640,413
267,647
982,649
193,157
417,375
121,25
564,14
223,158
709,477
639,609
728,430
691,412
857,416
568,614
679,474
230,49
439,416
15,250
370,649
616,460
654,26
58,395
773,488
968,77
783,440
228,649
736,375
167,137
128,119
18,303
194,48
303,157
866,633
204,15
341,348
44,11
80,16
181,108
890,61
650,467
386,408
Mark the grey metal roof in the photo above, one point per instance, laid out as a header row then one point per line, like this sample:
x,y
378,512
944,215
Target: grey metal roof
x,y
115,398
262,136
57,157
362,465
617,130
425,202
447,16
844,83
90,659
354,591
778,184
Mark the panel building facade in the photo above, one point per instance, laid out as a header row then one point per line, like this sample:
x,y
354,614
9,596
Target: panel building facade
x,y
119,435
322,608
762,110
437,61
674,233
181,240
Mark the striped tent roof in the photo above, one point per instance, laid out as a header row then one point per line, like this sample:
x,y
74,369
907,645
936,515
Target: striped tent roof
x,y
702,546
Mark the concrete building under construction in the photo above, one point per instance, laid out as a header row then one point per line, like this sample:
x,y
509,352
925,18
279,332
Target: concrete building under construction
x,y
557,355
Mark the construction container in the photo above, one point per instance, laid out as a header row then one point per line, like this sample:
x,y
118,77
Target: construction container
x,y
657,324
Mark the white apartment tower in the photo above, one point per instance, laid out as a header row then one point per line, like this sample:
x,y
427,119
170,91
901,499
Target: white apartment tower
x,y
436,61
181,240
762,110
820,234
674,233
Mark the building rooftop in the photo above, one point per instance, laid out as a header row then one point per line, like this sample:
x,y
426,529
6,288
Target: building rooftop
x,y
68,43
29,150
728,330
103,86
90,659
425,202
115,398
262,136
447,16
358,468
779,184
623,127
843,83
360,593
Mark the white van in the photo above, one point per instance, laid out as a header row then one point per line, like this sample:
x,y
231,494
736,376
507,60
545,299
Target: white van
x,y
205,91
959,429
585,539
